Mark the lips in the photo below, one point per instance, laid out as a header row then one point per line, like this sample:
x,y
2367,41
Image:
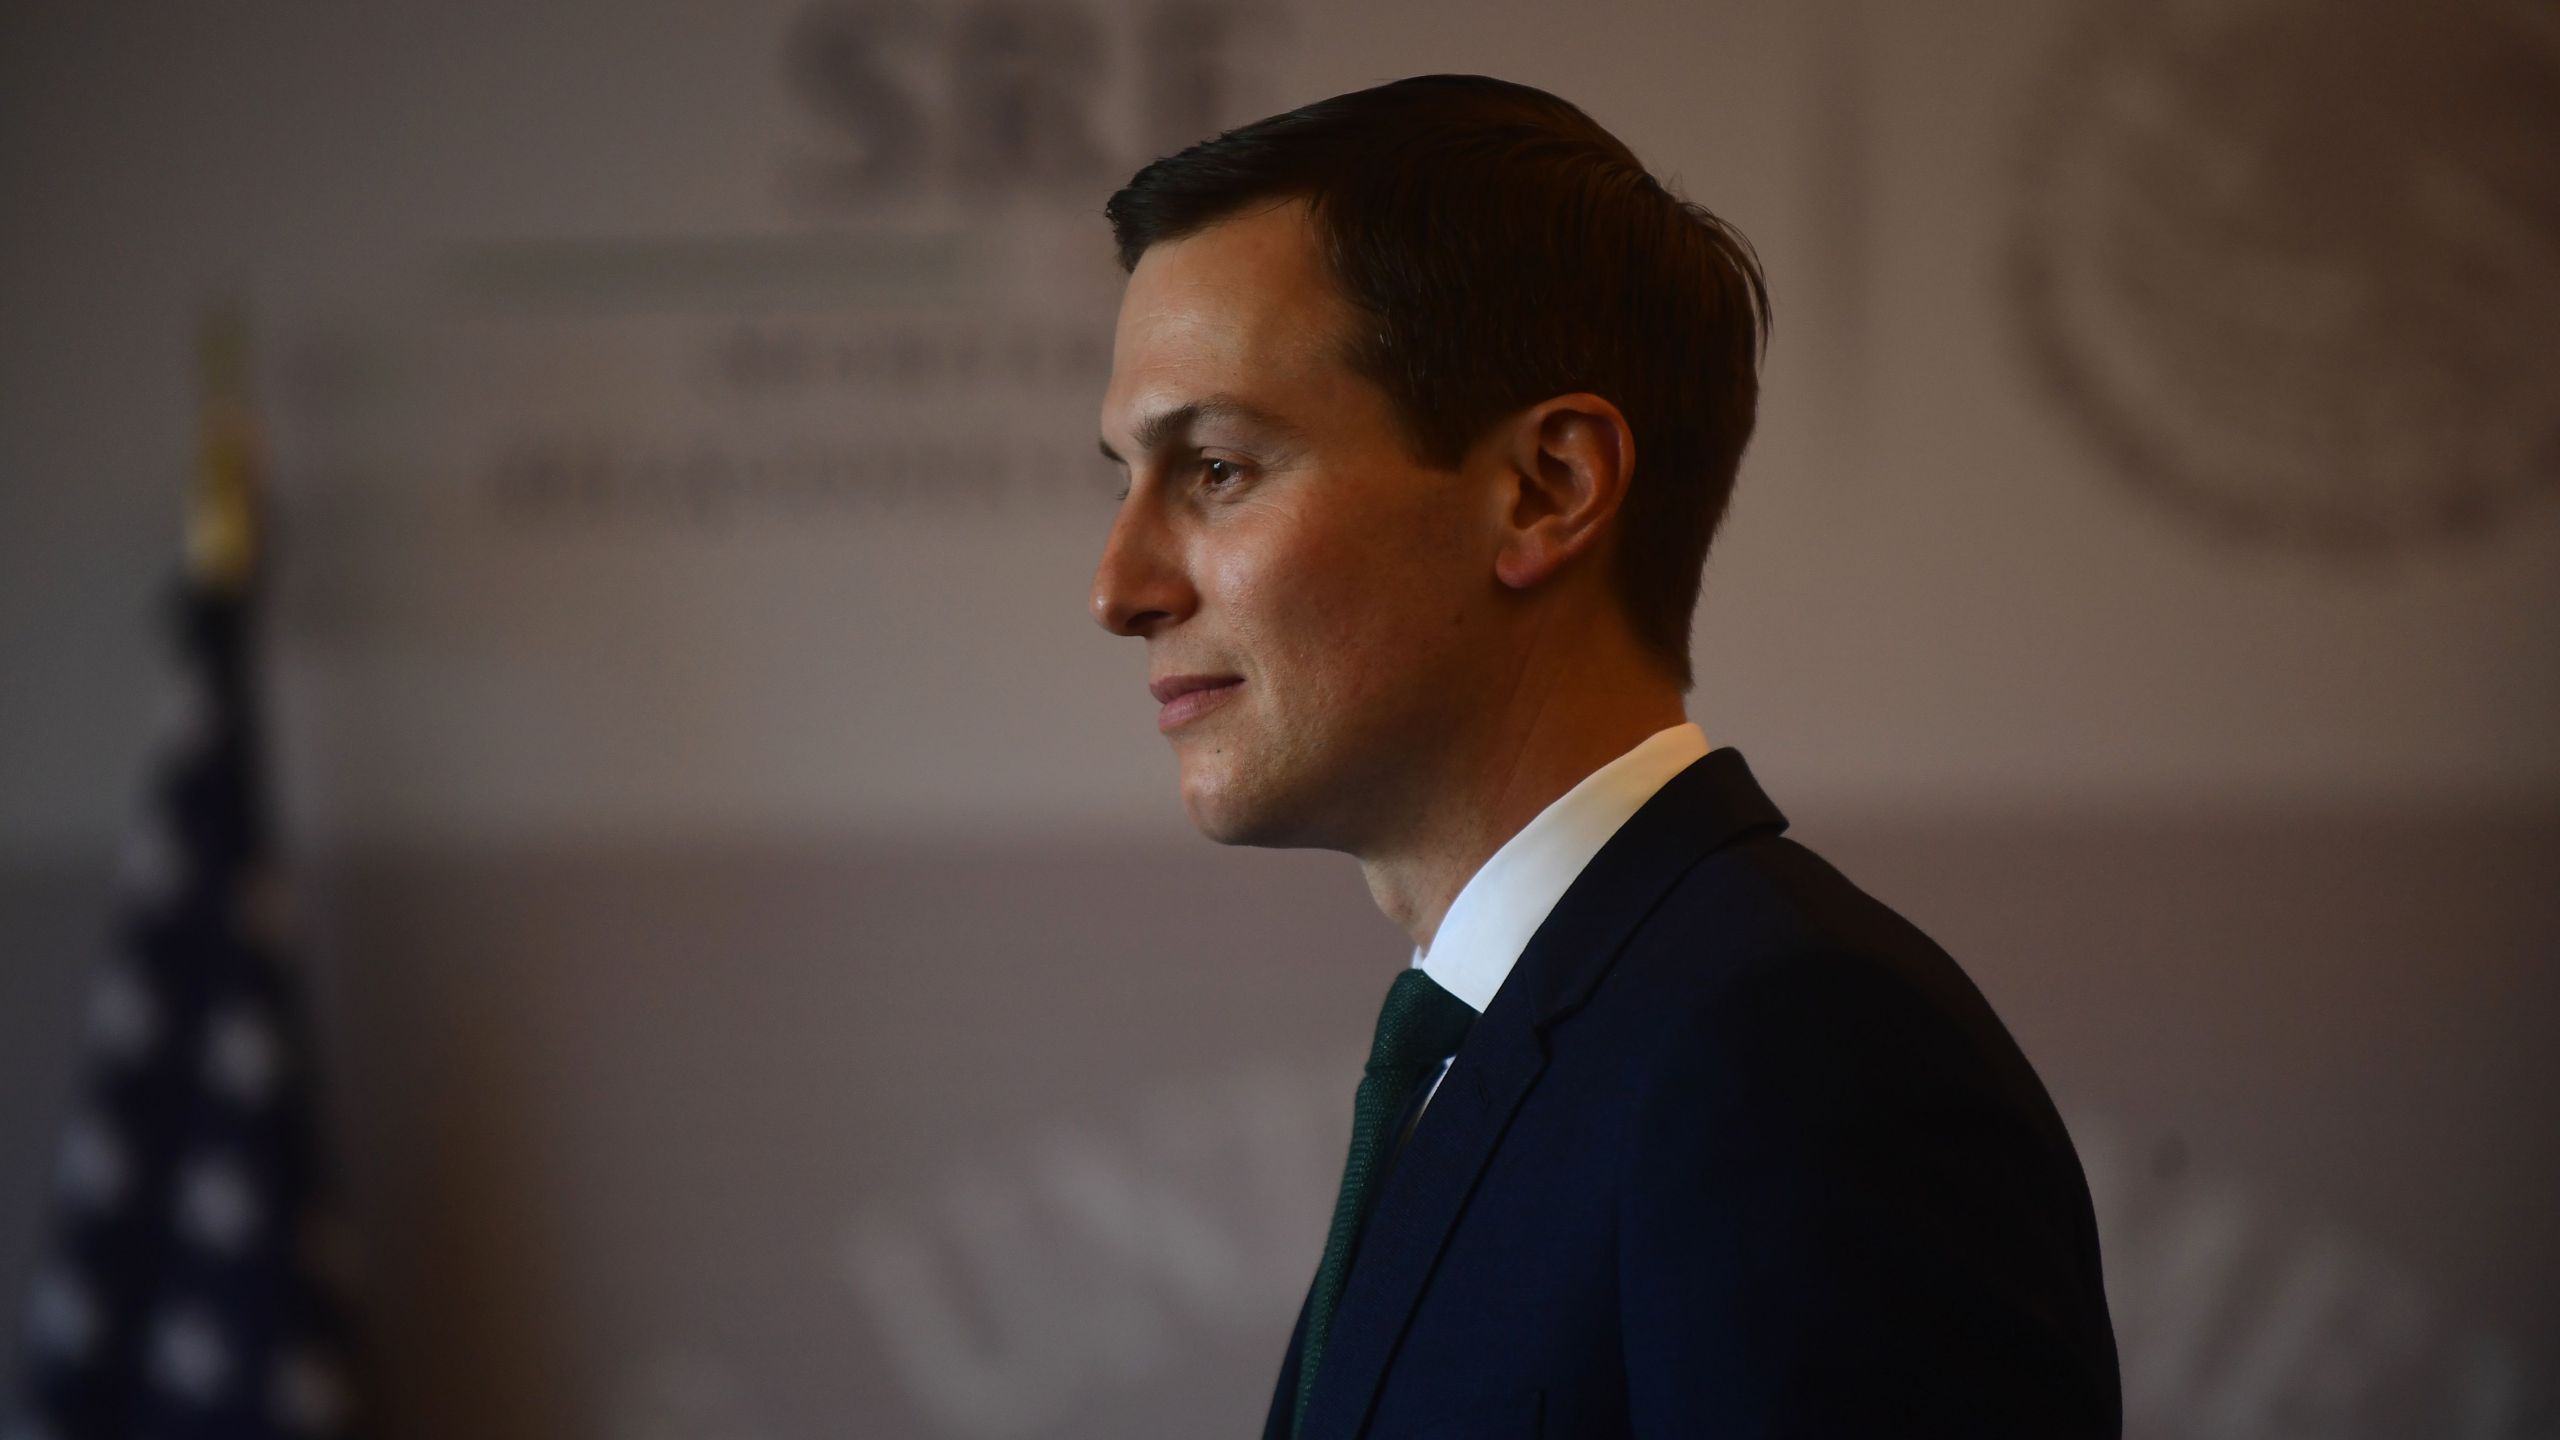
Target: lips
x,y
1187,697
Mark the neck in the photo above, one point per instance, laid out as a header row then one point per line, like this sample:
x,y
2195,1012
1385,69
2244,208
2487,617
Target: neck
x,y
1498,779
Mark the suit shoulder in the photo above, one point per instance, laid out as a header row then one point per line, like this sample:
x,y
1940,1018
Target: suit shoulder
x,y
1768,967
1821,1114
1767,899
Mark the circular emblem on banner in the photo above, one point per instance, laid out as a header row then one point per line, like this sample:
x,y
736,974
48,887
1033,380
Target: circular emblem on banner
x,y
2296,263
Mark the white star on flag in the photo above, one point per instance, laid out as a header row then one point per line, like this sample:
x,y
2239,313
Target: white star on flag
x,y
95,1167
188,1356
218,1206
242,1057
124,1019
62,1317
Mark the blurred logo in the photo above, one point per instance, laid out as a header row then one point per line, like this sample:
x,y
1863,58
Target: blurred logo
x,y
1029,98
2296,266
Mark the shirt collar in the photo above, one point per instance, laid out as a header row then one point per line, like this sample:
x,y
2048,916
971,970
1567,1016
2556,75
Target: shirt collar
x,y
1508,897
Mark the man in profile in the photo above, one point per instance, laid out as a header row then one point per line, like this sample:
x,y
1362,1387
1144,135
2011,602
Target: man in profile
x,y
1430,399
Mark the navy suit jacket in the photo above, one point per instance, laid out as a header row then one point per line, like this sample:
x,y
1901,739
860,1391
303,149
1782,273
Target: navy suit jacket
x,y
1735,1151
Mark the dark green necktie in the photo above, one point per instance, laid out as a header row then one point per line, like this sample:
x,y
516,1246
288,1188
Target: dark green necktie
x,y
1420,1025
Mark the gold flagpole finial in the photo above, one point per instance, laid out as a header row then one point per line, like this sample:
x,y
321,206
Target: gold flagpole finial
x,y
222,510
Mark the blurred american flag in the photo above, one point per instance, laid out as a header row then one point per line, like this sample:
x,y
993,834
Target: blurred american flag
x,y
190,1286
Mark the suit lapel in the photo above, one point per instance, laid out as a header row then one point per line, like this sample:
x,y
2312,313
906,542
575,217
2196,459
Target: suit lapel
x,y
1701,809
1284,1396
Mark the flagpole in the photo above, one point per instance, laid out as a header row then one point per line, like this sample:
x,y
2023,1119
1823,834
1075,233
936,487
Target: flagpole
x,y
222,540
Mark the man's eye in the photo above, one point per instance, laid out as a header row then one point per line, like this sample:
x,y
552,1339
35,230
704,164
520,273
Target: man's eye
x,y
1220,473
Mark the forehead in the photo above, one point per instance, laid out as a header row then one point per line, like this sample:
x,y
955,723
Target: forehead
x,y
1244,307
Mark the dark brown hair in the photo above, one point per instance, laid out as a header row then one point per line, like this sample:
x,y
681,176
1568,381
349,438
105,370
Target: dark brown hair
x,y
1501,248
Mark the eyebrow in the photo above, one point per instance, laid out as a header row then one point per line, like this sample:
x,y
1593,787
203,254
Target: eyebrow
x,y
1159,429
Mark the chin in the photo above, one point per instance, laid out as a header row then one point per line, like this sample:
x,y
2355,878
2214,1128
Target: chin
x,y
1230,812
1216,817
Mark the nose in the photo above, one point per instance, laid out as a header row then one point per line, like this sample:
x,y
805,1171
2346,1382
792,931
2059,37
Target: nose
x,y
1139,588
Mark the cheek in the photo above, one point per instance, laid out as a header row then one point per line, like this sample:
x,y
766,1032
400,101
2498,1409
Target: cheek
x,y
1295,602
1340,612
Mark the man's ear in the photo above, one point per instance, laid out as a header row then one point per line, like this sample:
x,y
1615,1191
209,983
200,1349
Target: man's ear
x,y
1569,460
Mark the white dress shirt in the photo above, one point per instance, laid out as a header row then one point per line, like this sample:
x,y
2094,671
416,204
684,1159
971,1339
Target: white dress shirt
x,y
1510,895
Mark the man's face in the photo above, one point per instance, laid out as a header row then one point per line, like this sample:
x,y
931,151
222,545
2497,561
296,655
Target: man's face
x,y
1315,592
